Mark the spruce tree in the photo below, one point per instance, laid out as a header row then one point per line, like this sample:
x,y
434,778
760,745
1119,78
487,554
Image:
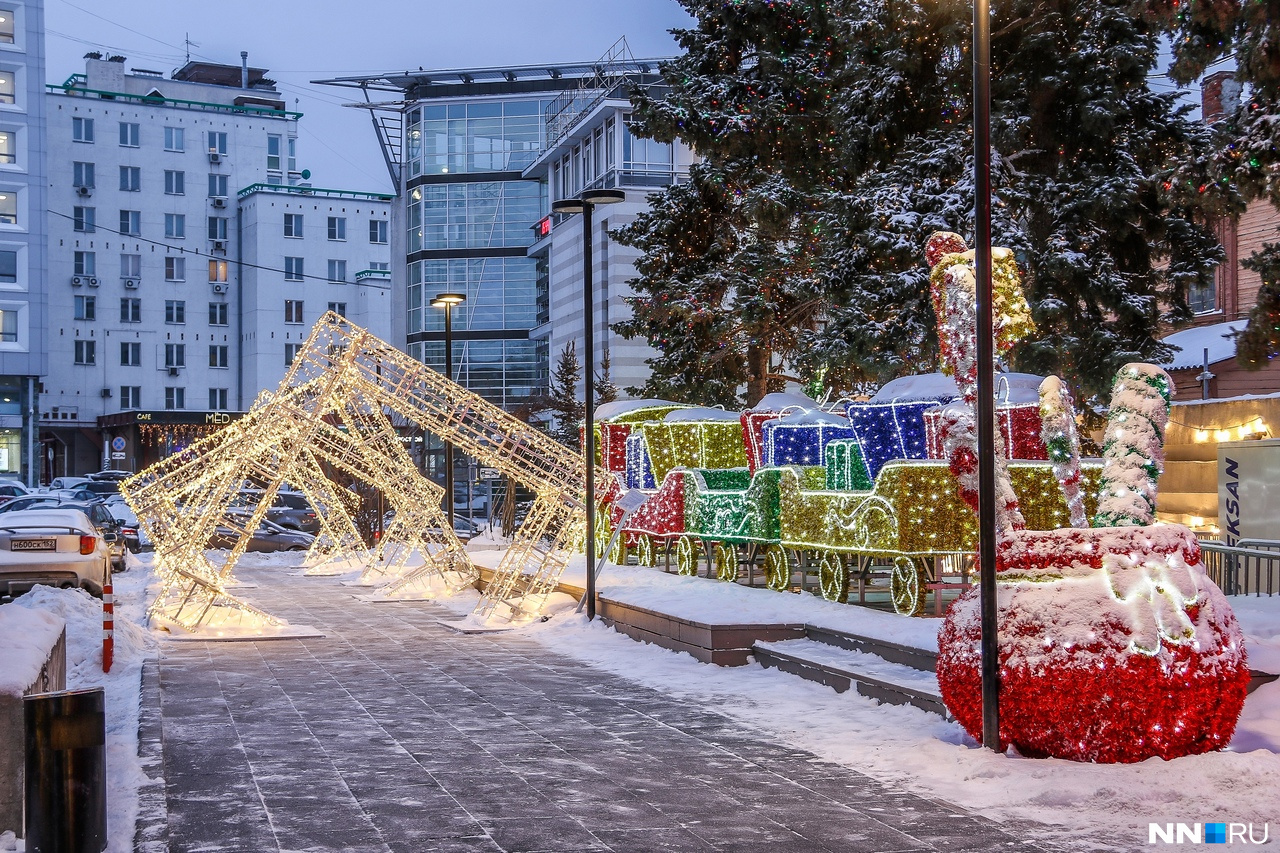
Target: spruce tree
x,y
1260,340
563,401
606,390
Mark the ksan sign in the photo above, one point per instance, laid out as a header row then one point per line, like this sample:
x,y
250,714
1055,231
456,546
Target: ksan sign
x,y
1249,490
1206,833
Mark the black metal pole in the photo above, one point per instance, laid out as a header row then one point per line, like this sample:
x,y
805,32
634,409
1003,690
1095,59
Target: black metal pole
x,y
986,374
448,448
589,431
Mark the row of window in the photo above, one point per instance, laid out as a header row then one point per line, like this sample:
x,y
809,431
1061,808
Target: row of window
x,y
279,149
174,398
337,228
175,355
175,269
175,311
85,221
85,174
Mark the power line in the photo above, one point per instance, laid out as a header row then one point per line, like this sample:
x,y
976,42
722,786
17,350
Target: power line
x,y
183,250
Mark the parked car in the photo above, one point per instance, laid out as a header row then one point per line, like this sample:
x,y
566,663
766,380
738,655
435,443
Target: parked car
x,y
59,546
67,482
110,475
102,488
268,537
9,491
95,509
289,509
135,538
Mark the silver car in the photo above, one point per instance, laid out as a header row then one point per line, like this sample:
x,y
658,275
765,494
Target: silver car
x,y
60,547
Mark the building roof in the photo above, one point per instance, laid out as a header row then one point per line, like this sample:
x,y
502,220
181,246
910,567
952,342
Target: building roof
x,y
410,81
1218,338
216,74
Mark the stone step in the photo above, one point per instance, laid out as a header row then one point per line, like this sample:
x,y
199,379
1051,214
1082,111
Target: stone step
x,y
842,669
924,660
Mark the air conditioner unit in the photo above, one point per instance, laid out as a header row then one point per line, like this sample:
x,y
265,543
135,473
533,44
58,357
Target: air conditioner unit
x,y
173,371
129,283
105,392
220,246
219,201
84,191
77,280
215,157
219,287
92,281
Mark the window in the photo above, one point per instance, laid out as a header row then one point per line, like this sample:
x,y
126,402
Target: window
x,y
217,142
175,355
273,152
82,175
293,269
8,208
6,26
175,139
130,396
82,219
218,355
217,228
7,88
290,353
86,307
217,270
8,266
377,230
293,154
175,398
130,223
130,309
218,399
175,311
130,179
175,269
1203,298
337,270
379,266
9,326
293,310
293,225
218,314
337,227
129,134
130,266
217,186
81,129
86,351
130,354
175,225
339,308
8,153
84,263
175,183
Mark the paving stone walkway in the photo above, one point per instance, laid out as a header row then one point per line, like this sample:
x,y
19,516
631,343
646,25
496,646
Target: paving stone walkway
x,y
394,733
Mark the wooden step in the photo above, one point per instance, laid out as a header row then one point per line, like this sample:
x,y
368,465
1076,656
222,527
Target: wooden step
x,y
841,669
921,659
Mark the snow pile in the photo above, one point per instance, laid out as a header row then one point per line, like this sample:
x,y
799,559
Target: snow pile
x,y
700,413
1114,647
82,614
608,411
780,401
923,386
26,636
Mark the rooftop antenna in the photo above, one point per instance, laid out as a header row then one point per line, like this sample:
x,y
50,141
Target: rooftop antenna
x,y
190,44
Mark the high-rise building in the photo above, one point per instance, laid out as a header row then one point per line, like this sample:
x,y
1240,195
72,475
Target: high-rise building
x,y
23,254
190,255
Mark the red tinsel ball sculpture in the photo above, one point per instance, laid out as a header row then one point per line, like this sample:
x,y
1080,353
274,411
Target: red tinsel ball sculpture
x,y
1115,646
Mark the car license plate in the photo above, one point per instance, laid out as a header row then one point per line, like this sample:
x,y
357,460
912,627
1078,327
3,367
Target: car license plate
x,y
33,544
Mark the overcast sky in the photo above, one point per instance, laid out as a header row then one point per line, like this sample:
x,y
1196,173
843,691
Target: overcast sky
x,y
303,40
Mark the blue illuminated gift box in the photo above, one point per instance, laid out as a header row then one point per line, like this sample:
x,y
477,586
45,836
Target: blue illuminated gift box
x,y
891,424
639,470
801,438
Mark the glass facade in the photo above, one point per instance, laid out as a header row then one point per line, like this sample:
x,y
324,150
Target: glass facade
x,y
460,234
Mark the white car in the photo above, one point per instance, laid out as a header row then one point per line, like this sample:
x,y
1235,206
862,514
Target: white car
x,y
60,547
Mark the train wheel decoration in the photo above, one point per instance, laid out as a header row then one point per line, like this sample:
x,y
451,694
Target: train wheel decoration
x,y
833,576
686,556
907,586
777,568
726,562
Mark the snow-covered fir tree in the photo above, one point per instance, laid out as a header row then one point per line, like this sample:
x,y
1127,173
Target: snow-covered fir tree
x,y
563,401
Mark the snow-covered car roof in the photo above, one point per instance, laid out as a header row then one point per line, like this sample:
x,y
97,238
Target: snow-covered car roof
x,y
27,518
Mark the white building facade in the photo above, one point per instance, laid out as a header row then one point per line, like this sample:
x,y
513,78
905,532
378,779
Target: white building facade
x,y
150,301
23,255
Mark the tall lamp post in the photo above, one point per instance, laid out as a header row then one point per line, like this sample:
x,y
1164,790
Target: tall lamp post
x,y
986,374
447,301
585,204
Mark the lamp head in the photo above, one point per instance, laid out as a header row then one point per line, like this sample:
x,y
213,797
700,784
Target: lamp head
x,y
603,196
567,206
448,300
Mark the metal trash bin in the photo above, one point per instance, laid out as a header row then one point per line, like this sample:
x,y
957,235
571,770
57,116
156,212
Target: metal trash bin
x,y
66,764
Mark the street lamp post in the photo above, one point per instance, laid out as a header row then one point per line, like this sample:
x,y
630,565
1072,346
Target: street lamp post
x,y
986,414
447,301
585,204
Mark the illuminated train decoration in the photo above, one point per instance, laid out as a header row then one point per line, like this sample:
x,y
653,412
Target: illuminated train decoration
x,y
794,492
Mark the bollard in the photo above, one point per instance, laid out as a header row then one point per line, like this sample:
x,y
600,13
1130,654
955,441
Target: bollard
x,y
108,628
66,802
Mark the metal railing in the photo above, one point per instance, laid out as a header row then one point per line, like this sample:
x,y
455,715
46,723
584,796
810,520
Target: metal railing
x,y
1250,567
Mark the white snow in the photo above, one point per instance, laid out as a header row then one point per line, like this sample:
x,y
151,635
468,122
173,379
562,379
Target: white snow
x,y
921,386
1191,343
701,413
606,411
780,401
811,416
26,636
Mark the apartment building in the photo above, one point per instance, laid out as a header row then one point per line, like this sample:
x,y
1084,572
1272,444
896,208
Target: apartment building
x,y
23,256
